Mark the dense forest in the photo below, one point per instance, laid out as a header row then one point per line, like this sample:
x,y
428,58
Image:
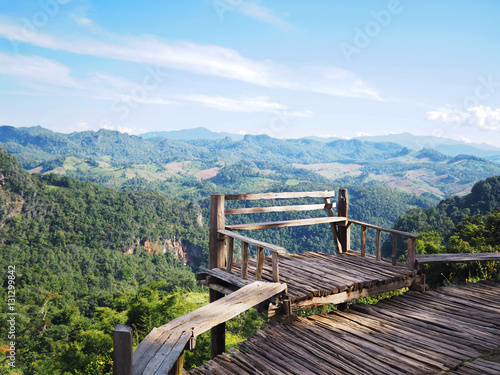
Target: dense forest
x,y
88,257
465,224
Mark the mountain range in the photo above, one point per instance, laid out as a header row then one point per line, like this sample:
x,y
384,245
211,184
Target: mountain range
x,y
192,168
446,146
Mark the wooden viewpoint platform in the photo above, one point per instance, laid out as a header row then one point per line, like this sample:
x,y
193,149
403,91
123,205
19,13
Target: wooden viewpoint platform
x,y
411,334
416,333
312,278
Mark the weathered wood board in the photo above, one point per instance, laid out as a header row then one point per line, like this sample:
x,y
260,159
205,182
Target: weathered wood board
x,y
157,351
457,257
416,333
310,276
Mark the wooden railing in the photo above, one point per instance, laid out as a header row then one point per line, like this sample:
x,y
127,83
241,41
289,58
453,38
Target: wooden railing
x,y
223,231
260,245
378,245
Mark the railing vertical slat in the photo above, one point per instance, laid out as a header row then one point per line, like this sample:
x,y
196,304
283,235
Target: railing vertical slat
x,y
244,260
260,262
276,274
229,254
394,248
363,240
379,252
343,211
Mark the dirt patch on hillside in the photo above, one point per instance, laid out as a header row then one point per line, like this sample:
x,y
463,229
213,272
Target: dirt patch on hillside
x,y
207,173
36,170
177,167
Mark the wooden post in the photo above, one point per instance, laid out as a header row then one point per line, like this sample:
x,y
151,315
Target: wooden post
x,y
230,251
244,260
344,231
260,262
276,271
217,259
394,248
216,247
363,240
122,350
377,248
330,213
178,366
217,333
412,250
287,307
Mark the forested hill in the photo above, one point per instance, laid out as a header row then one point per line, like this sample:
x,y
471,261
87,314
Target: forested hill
x,y
194,168
447,214
468,224
88,257
49,209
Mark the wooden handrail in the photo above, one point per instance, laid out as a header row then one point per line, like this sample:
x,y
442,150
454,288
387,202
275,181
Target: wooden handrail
x,y
410,236
287,195
161,351
405,234
251,241
258,210
288,223
457,257
245,241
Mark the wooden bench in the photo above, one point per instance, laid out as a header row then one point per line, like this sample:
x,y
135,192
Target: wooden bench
x,y
219,231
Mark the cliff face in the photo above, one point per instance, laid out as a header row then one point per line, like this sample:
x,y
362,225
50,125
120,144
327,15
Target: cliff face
x,y
11,204
187,253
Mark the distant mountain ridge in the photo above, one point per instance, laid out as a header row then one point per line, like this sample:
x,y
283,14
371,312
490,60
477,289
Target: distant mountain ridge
x,y
192,134
184,167
446,146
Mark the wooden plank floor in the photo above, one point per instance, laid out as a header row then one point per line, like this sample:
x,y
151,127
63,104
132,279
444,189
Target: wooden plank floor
x,y
161,348
312,274
416,333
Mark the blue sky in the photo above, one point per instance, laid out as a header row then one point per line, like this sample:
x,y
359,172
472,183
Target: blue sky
x,y
284,68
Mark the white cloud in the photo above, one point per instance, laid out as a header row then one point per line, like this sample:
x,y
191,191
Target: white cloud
x,y
124,129
258,12
247,105
210,60
83,21
363,134
465,139
482,117
305,113
338,82
328,135
35,68
82,126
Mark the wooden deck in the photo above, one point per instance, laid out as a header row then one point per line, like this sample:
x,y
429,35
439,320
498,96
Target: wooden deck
x,y
317,278
417,333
